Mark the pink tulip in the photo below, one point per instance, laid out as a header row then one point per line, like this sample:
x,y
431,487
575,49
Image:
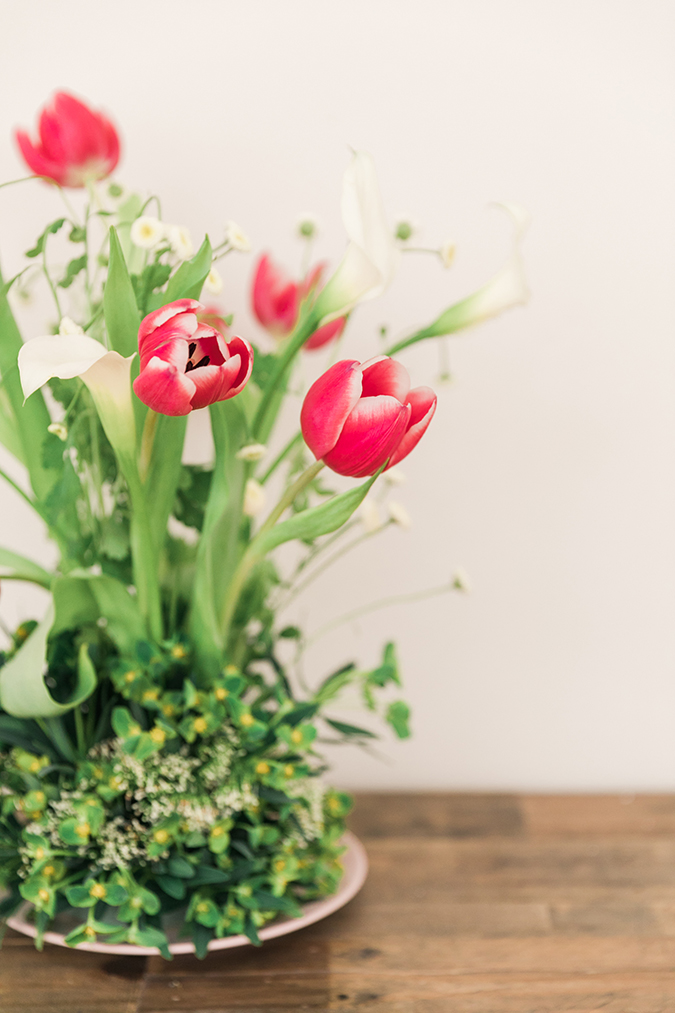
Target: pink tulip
x,y
186,364
76,144
357,416
277,298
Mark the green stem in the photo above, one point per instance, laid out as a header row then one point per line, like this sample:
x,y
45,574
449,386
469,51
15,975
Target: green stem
x,y
55,732
24,495
147,443
293,491
79,731
299,588
281,456
269,407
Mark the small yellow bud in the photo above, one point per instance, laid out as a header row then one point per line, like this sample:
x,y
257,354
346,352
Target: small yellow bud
x,y
43,895
289,770
83,830
115,782
178,652
246,720
39,853
150,694
220,693
34,767
279,864
136,902
48,871
161,836
231,670
296,736
168,710
130,676
98,890
217,832
202,907
97,772
135,730
334,804
262,768
158,735
90,932
40,797
200,725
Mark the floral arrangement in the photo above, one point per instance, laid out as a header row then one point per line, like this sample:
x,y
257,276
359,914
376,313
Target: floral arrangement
x,y
157,752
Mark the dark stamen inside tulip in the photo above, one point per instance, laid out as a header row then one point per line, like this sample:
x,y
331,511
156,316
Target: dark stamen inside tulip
x,y
191,349
196,365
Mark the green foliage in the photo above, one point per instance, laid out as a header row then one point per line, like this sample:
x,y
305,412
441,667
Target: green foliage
x,y
73,269
51,230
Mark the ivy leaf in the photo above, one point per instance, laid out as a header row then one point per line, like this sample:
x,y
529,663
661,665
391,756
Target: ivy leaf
x,y
51,229
77,234
398,716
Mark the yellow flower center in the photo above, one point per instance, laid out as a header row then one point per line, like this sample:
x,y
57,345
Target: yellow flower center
x,y
135,730
178,651
151,694
48,871
83,830
221,693
202,907
158,735
115,782
334,804
161,836
39,853
129,676
40,797
217,832
136,902
280,864
200,725
90,932
34,767
231,670
289,770
97,772
43,895
262,768
168,709
98,890
296,736
246,720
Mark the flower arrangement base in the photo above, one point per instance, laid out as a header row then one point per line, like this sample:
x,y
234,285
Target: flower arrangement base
x,y
354,860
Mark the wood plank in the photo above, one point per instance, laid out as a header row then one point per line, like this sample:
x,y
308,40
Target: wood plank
x,y
598,814
436,814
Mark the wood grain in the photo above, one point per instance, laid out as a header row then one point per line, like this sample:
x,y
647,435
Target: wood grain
x,y
474,904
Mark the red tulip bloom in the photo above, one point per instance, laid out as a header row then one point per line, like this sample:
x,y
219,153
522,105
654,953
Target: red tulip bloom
x,y
277,298
357,416
76,144
186,364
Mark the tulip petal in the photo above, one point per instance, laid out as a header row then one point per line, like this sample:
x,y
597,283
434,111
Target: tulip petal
x,y
213,383
61,355
240,347
422,401
369,436
326,333
164,388
275,297
327,405
383,375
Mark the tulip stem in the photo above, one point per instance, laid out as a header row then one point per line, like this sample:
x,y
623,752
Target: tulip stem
x,y
281,457
147,443
291,493
266,414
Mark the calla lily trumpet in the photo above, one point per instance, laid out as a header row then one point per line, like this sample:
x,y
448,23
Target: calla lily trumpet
x,y
372,256
358,416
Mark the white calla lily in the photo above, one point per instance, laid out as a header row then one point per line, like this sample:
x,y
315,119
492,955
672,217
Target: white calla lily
x,y
372,256
106,374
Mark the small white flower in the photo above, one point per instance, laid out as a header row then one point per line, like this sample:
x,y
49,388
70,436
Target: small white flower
x,y
254,498
58,429
370,516
251,452
147,232
399,515
180,240
447,253
460,579
394,476
237,239
68,326
307,226
214,283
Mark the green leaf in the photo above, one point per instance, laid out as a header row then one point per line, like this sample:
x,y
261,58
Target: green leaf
x,y
188,281
315,521
398,716
122,318
77,234
175,887
346,729
51,229
16,567
82,599
23,692
72,271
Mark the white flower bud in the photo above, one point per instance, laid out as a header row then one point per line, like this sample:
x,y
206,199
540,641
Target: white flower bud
x,y
370,516
399,515
147,232
254,498
251,452
447,253
460,580
237,239
58,429
68,326
180,240
213,283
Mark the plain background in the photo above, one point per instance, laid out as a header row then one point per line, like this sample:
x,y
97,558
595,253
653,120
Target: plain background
x,y
548,470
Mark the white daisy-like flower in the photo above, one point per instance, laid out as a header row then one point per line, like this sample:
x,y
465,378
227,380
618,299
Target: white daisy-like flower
x,y
237,239
254,498
147,232
398,514
370,516
460,579
251,452
180,240
394,476
447,253
307,226
68,326
214,282
58,429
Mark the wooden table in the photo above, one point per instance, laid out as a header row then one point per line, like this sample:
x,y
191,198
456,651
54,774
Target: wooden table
x,y
474,904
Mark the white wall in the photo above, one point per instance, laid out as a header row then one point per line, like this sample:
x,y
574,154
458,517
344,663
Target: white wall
x,y
548,470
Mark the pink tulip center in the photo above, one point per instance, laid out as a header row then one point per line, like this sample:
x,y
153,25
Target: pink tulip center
x,y
203,352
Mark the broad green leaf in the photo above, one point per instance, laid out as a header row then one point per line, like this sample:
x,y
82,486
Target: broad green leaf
x,y
189,279
346,729
23,692
119,303
315,521
127,213
85,599
16,567
165,471
398,716
30,420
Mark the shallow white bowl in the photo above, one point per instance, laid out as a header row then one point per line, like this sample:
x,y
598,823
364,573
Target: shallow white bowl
x,y
355,863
